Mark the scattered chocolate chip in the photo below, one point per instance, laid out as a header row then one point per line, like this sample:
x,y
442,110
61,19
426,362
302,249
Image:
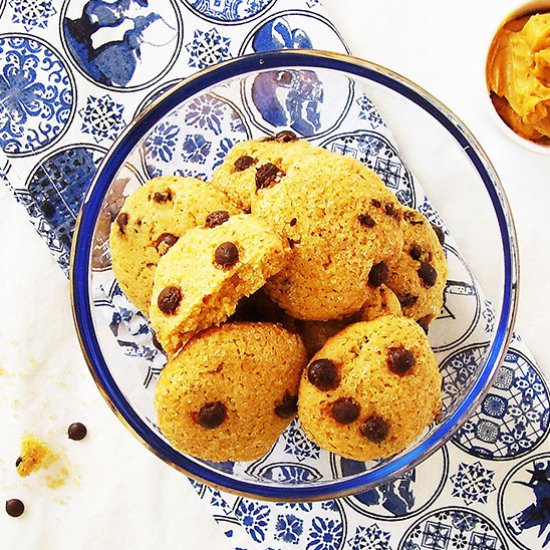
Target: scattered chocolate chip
x,y
345,410
212,415
424,322
122,221
157,344
439,232
406,299
293,222
226,255
244,162
427,273
14,507
287,407
162,197
392,211
376,203
18,461
216,218
400,360
169,299
164,242
285,136
375,428
415,252
267,174
378,274
323,374
77,431
366,221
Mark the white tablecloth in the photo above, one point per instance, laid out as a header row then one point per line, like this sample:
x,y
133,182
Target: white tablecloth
x,y
119,495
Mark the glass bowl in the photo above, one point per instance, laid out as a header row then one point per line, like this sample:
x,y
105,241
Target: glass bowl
x,y
349,106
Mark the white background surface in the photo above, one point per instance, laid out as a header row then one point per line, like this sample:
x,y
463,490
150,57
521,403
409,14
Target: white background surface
x,y
145,504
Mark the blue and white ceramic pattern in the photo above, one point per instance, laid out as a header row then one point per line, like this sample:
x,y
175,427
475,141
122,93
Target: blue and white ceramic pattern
x,y
76,72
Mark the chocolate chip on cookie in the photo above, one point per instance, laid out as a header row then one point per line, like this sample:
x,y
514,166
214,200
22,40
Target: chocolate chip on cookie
x,y
415,252
212,415
400,360
162,197
378,275
375,429
244,162
293,222
287,407
392,212
376,203
122,221
216,218
268,174
345,410
406,299
439,232
285,136
427,274
18,461
323,374
366,220
169,299
226,255
164,242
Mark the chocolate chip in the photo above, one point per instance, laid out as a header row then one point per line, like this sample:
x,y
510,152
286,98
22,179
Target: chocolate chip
x,y
366,220
439,232
400,360
122,221
375,428
376,203
285,136
77,431
427,273
392,212
164,242
226,255
216,218
14,507
157,344
18,461
267,174
323,374
162,197
415,252
293,222
212,415
406,299
287,407
169,299
345,410
424,322
244,162
291,242
378,274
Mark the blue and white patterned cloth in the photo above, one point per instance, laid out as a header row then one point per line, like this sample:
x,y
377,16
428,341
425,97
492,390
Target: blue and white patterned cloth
x,y
74,73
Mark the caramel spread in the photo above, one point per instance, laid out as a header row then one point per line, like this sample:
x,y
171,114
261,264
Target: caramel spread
x,y
518,76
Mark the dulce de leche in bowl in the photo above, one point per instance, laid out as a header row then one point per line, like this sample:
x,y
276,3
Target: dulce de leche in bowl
x,y
518,76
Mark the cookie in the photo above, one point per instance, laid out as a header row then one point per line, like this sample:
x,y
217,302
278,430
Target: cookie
x,y
249,161
418,275
200,280
231,391
342,226
315,333
371,390
151,220
380,301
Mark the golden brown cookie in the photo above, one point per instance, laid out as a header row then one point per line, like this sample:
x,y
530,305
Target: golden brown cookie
x,y
371,390
231,391
418,275
380,301
151,220
200,280
342,225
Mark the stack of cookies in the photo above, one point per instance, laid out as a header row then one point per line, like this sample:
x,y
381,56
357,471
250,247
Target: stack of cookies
x,y
294,282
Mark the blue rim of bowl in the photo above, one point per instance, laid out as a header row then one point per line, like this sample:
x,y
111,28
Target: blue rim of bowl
x,y
82,245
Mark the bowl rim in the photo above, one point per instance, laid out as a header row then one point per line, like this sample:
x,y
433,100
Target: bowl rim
x,y
81,273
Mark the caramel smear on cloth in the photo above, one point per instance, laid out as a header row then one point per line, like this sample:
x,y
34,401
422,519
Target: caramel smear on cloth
x,y
36,455
518,76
